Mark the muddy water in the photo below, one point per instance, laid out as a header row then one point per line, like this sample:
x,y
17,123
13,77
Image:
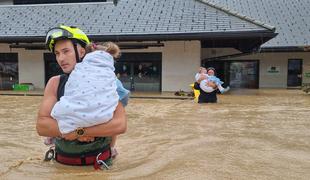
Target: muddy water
x,y
252,134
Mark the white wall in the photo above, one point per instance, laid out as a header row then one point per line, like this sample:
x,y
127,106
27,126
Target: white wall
x,y
181,60
4,48
279,60
306,68
216,52
30,65
31,68
6,2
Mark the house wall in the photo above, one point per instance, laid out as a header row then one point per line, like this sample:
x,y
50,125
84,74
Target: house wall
x,y
180,61
6,2
30,65
31,68
267,60
216,52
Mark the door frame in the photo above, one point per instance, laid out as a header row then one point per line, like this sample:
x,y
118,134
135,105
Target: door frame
x,y
301,71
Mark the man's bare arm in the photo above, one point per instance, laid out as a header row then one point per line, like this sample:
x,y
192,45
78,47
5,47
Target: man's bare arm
x,y
46,125
117,125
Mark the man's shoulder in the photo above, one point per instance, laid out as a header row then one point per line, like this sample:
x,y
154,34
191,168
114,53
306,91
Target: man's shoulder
x,y
52,85
54,79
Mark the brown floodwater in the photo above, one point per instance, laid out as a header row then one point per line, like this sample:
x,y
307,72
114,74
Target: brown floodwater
x,y
249,134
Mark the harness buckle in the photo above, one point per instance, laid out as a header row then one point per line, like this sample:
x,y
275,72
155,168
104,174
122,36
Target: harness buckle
x,y
102,164
50,154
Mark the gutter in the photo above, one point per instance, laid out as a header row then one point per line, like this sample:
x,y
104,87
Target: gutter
x,y
42,46
187,36
285,49
108,2
265,34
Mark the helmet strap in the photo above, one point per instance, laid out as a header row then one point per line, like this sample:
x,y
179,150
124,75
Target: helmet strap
x,y
78,59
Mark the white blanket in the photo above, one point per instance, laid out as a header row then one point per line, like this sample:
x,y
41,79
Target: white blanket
x,y
90,96
204,86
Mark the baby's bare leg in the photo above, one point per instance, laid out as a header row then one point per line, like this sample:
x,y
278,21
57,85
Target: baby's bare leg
x,y
113,149
113,142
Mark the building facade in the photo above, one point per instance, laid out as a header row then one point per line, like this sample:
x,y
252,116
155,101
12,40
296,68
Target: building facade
x,y
163,42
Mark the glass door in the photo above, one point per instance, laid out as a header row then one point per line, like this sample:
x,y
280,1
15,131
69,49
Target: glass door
x,y
146,76
139,76
244,74
294,74
140,71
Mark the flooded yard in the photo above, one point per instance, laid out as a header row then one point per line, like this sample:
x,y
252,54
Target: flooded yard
x,y
249,134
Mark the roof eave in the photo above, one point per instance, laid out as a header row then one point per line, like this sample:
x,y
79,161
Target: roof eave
x,y
184,36
281,49
154,37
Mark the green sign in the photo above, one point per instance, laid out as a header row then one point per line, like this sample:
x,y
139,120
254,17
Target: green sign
x,y
307,74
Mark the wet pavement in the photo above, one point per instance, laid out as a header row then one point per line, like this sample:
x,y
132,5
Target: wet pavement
x,y
249,134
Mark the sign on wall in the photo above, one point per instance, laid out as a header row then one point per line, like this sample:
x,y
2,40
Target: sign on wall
x,y
273,70
307,74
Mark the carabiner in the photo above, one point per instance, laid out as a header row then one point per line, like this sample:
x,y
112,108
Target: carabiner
x,y
49,155
101,163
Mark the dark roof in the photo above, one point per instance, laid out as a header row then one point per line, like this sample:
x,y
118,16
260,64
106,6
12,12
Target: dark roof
x,y
291,18
129,20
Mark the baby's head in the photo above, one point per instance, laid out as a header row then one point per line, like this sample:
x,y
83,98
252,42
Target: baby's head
x,y
108,47
211,71
202,70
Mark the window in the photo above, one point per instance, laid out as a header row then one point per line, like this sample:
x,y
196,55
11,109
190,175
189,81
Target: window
x,y
140,71
8,70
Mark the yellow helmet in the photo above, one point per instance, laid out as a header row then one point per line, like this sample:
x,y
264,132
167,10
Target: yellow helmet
x,y
65,32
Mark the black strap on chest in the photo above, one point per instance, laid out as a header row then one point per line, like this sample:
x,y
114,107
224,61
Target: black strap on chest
x,y
61,86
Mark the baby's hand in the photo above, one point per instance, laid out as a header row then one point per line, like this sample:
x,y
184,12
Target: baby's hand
x,y
86,139
70,136
211,84
204,76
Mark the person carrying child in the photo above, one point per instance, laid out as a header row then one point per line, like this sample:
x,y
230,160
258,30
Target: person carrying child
x,y
208,95
91,93
84,145
208,78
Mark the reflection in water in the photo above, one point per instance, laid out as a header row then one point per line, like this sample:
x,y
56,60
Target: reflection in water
x,y
249,134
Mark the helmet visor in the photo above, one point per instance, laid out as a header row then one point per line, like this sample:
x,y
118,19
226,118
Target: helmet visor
x,y
56,34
